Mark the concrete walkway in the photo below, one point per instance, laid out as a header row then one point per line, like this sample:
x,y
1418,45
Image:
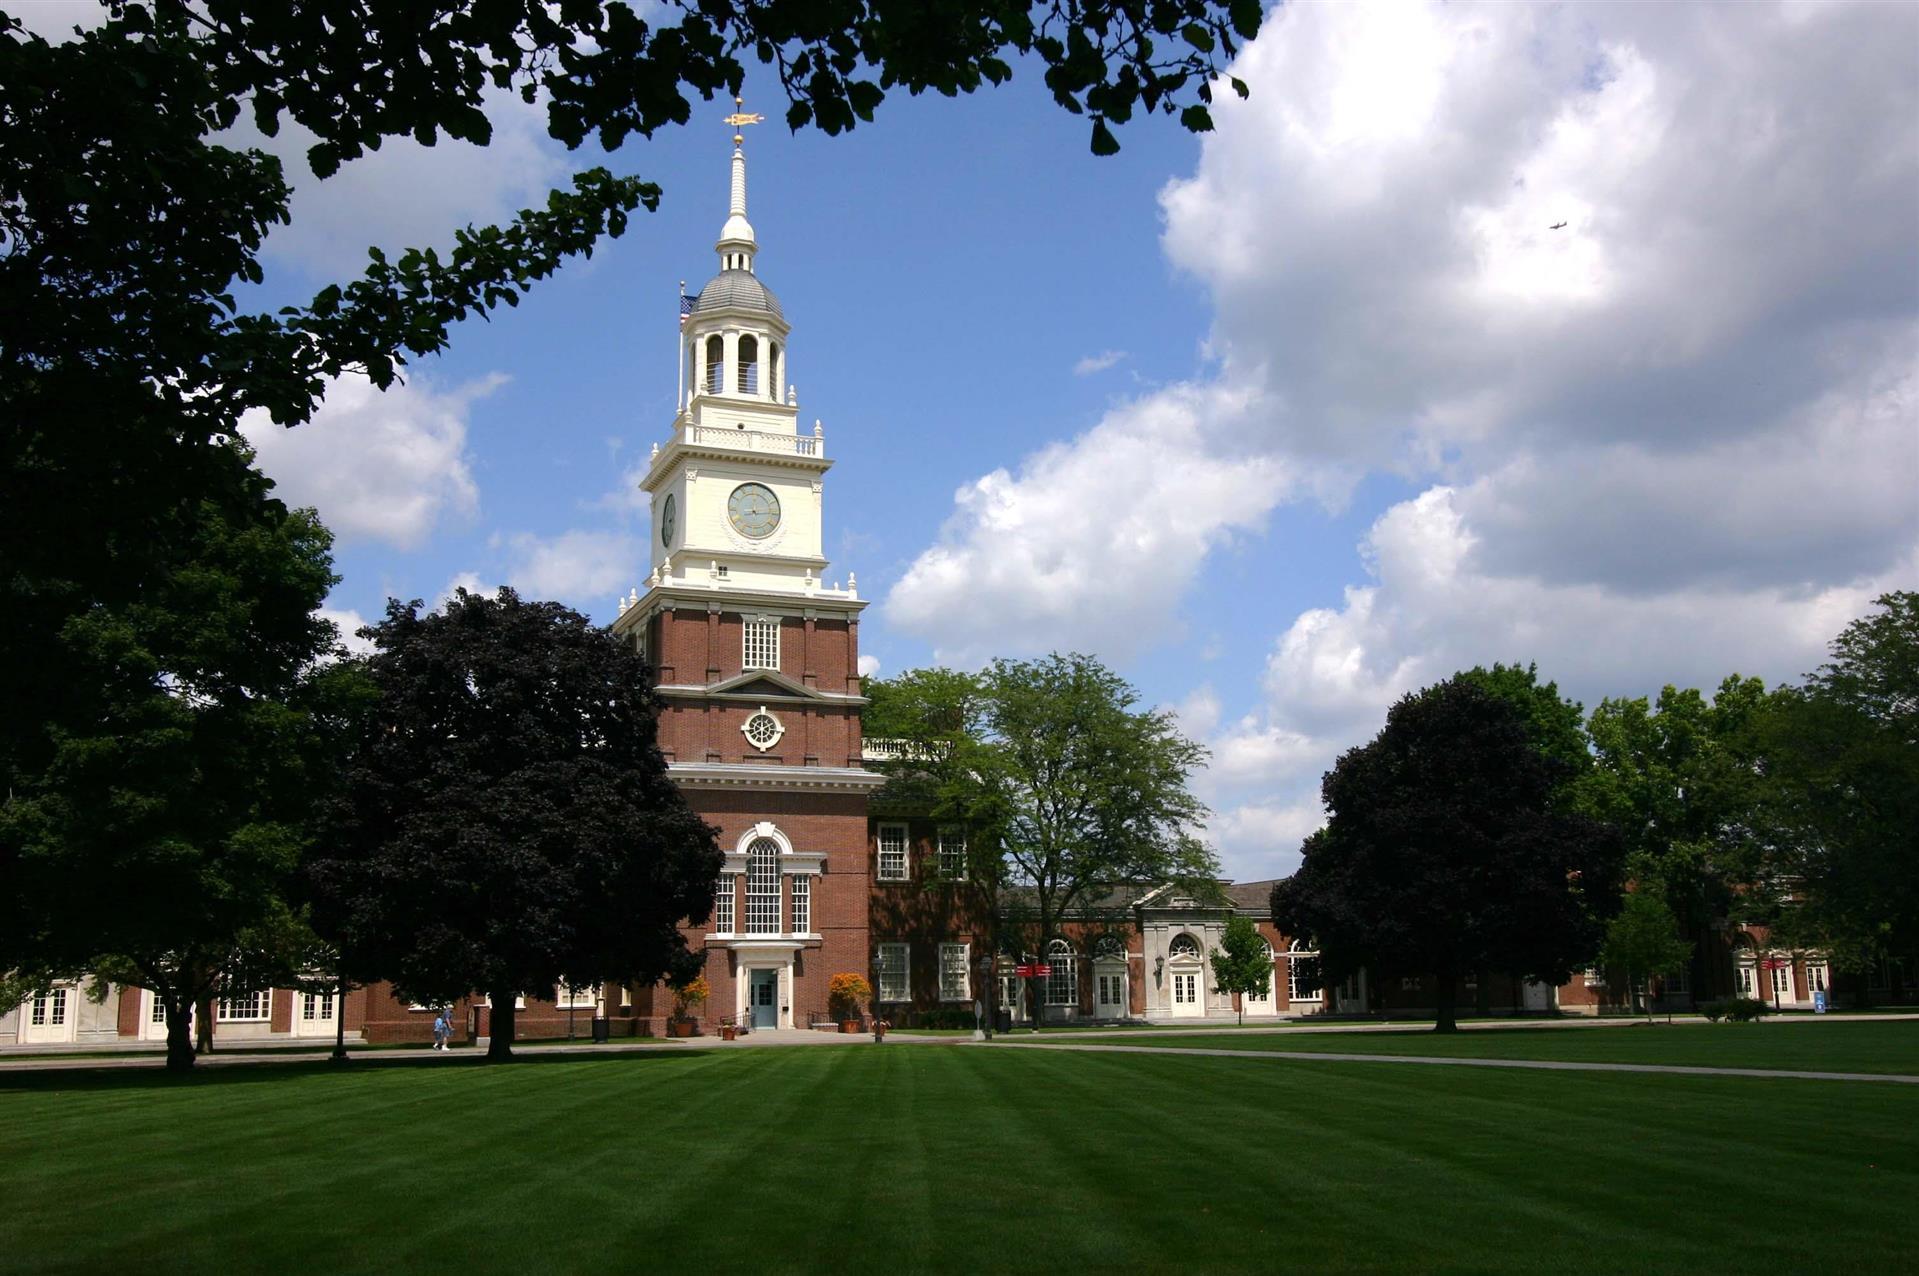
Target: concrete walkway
x,y
1548,1065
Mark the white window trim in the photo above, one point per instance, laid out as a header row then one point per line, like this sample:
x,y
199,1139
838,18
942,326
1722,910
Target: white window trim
x,y
799,892
263,1006
766,920
905,854
760,636
567,997
965,951
957,872
1065,963
905,973
772,740
726,904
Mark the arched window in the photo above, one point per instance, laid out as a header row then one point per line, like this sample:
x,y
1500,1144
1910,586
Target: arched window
x,y
1062,986
1109,946
715,364
763,887
1302,974
749,365
1183,946
775,373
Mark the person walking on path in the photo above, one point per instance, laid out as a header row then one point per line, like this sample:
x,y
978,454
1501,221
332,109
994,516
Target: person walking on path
x,y
442,1031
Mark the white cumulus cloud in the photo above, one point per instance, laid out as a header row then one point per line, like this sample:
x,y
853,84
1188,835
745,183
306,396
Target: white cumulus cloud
x,y
379,466
584,569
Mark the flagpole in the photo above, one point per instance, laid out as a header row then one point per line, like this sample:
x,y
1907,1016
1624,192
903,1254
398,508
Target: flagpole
x,y
679,346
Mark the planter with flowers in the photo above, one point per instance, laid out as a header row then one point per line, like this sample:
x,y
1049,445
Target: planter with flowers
x,y
845,993
687,1000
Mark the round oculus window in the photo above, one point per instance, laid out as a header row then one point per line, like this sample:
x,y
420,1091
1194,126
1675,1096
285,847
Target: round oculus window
x,y
753,510
669,517
763,730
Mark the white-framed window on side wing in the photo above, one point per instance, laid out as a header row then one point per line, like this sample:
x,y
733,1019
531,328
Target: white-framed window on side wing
x,y
585,997
245,1007
952,855
956,982
892,865
893,971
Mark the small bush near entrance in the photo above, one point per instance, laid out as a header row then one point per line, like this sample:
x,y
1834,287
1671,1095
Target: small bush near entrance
x,y
1734,1009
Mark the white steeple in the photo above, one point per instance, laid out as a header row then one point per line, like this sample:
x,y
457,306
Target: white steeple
x,y
737,245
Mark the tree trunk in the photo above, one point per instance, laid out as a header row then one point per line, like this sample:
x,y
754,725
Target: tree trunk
x,y
499,1047
203,1024
179,1032
1446,1001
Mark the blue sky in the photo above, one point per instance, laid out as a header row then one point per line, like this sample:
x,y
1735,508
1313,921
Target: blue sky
x,y
1282,422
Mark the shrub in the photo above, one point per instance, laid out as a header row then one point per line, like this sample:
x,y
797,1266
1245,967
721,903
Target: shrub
x,y
1745,1009
845,993
1713,1010
690,995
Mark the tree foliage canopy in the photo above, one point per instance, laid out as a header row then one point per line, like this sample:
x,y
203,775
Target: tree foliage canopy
x,y
1840,793
1445,851
507,821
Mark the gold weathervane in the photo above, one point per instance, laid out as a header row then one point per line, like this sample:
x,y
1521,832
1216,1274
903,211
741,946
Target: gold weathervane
x,y
740,119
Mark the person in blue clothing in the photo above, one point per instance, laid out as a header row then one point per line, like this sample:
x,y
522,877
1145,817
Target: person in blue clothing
x,y
442,1031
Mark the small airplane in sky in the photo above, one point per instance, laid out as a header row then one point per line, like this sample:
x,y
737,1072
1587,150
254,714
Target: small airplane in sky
x,y
1557,226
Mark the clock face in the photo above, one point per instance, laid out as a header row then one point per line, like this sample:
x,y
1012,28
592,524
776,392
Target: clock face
x,y
669,515
753,510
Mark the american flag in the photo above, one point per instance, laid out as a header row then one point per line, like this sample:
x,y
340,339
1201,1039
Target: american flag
x,y
687,302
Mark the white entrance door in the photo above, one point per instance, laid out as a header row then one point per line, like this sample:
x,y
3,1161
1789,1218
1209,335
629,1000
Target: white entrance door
x,y
1109,984
1186,990
1746,979
763,996
313,1014
1782,984
1818,980
1538,995
153,1016
1254,1003
48,1017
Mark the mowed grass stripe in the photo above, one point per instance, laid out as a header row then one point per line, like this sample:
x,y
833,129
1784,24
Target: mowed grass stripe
x,y
893,1158
1888,1047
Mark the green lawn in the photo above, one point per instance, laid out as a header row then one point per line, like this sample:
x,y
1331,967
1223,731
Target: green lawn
x,y
1822,1047
950,1158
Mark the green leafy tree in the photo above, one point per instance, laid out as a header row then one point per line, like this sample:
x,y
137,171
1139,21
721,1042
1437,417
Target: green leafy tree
x,y
1643,943
508,822
1555,725
1841,799
1680,778
1243,963
1063,785
152,829
1445,850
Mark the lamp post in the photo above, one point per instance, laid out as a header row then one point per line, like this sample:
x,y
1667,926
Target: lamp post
x,y
984,1032
339,1023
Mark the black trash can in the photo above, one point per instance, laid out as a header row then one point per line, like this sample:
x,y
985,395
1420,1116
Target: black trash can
x,y
599,1030
1002,1021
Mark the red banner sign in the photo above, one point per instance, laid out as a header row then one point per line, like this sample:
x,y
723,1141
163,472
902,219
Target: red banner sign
x,y
1027,970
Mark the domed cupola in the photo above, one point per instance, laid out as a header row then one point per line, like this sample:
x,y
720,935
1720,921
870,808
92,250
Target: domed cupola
x,y
737,290
733,331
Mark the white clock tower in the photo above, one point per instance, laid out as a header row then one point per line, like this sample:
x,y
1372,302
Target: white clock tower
x,y
755,654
